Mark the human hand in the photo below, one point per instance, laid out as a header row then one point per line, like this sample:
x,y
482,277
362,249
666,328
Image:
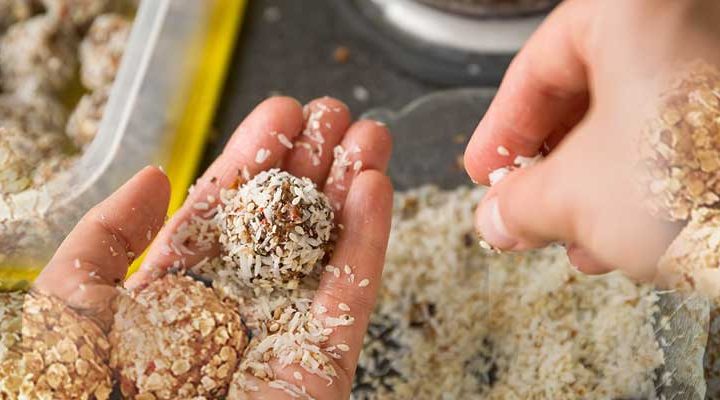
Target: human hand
x,y
581,92
106,240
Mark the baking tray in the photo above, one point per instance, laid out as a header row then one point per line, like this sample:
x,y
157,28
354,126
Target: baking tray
x,y
433,133
159,112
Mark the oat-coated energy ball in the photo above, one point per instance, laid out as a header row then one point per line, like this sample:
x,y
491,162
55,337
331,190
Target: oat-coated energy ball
x,y
102,49
60,355
11,305
12,11
175,339
38,55
276,227
84,122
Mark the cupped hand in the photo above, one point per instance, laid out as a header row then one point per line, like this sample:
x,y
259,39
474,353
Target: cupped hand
x,y
580,92
94,258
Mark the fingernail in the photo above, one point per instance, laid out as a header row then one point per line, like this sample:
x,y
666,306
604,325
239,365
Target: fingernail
x,y
491,226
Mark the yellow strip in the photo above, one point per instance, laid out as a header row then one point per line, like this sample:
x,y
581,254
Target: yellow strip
x,y
193,128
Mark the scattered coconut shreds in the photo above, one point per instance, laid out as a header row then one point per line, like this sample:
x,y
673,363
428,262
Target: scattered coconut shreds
x,y
440,295
520,162
503,151
285,141
201,206
313,129
245,172
498,175
509,326
342,164
262,155
361,93
276,227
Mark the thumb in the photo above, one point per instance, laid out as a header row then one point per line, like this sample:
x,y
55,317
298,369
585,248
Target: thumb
x,y
528,209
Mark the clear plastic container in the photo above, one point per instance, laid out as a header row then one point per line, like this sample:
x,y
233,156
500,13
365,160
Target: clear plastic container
x,y
158,113
432,133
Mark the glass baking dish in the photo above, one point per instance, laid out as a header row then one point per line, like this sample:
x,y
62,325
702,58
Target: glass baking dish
x,y
433,132
158,113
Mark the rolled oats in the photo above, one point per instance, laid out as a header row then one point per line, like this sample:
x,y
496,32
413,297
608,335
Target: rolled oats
x,y
680,149
60,354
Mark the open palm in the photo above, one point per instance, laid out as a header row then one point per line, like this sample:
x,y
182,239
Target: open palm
x,y
95,257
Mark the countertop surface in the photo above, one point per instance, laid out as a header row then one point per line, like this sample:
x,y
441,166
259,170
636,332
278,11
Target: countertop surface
x,y
288,47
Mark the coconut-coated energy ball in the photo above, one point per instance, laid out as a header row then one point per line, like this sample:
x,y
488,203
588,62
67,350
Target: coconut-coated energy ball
x,y
38,55
40,118
84,122
12,11
77,13
276,227
175,339
102,49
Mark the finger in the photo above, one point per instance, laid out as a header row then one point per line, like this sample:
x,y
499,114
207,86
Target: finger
x,y
254,147
527,209
540,96
586,262
571,197
95,257
352,290
367,146
326,121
